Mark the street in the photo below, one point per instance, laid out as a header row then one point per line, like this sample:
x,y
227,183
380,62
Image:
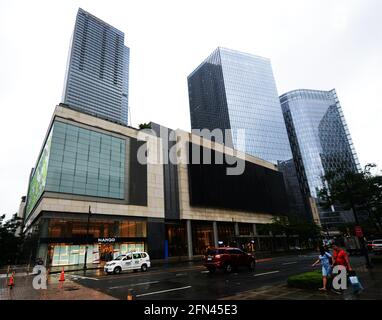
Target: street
x,y
192,281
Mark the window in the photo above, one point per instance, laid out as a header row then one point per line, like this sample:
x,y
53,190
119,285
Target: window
x,y
235,251
136,255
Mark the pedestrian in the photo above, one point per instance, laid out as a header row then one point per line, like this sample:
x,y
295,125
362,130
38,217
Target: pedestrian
x,y
325,259
340,257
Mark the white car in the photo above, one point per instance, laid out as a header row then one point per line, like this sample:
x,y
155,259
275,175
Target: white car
x,y
376,246
129,261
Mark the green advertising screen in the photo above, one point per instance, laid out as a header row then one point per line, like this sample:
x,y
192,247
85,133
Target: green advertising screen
x,y
37,183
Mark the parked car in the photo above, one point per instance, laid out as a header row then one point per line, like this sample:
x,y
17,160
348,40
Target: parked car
x,y
130,261
228,259
376,246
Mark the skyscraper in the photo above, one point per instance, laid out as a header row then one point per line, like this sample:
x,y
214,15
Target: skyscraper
x,y
320,139
97,74
235,90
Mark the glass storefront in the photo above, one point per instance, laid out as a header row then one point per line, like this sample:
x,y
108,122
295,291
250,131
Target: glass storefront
x,y
226,233
245,229
177,239
202,236
66,254
64,228
67,240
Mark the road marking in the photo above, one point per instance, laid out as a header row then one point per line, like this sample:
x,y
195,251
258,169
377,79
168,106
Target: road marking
x,y
286,263
82,277
206,271
162,291
133,275
265,273
134,284
180,274
264,260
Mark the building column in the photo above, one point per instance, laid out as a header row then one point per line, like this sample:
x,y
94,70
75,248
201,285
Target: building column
x,y
215,230
272,243
254,229
42,250
237,233
256,236
189,239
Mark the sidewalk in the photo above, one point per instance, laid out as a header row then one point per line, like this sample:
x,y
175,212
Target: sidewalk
x,y
371,280
67,290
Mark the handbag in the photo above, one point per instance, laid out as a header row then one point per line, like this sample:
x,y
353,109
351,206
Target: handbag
x,y
354,281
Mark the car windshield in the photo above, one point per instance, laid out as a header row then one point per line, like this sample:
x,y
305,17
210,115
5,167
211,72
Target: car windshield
x,y
377,242
212,252
119,257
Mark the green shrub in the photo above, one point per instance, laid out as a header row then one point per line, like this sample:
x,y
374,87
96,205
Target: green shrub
x,y
307,280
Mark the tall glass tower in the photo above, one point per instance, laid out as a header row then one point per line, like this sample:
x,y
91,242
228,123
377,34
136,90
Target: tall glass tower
x,y
97,74
319,137
235,90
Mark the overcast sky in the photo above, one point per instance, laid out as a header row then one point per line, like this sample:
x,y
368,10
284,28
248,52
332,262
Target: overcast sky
x,y
312,44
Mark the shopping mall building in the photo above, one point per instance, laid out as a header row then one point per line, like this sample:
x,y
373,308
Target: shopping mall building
x,y
90,188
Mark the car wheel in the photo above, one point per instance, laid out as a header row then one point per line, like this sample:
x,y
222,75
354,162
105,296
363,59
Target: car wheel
x,y
252,266
211,269
117,270
144,267
228,268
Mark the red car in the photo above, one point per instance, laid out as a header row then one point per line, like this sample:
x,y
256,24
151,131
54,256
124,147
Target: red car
x,y
228,259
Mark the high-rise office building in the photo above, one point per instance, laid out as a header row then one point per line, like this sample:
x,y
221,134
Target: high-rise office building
x,y
320,139
97,74
235,90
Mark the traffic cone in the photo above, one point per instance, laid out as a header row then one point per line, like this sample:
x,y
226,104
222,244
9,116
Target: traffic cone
x,y
11,282
62,276
130,295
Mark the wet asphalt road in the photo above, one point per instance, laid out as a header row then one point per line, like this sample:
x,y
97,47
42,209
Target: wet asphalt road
x,y
192,281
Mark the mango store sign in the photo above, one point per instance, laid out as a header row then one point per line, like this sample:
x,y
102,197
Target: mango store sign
x,y
106,240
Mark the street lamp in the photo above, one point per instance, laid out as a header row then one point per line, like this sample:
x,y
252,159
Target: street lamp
x,y
87,239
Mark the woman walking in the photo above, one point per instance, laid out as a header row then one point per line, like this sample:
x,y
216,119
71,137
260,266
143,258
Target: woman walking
x,y
325,259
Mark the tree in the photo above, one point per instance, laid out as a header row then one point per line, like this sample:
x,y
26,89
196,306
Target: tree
x,y
144,126
358,191
9,242
294,225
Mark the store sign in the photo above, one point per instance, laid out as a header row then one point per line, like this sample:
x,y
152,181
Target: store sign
x,y
106,240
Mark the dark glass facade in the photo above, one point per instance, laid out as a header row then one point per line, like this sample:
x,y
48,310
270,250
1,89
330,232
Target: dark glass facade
x,y
319,136
258,189
235,90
